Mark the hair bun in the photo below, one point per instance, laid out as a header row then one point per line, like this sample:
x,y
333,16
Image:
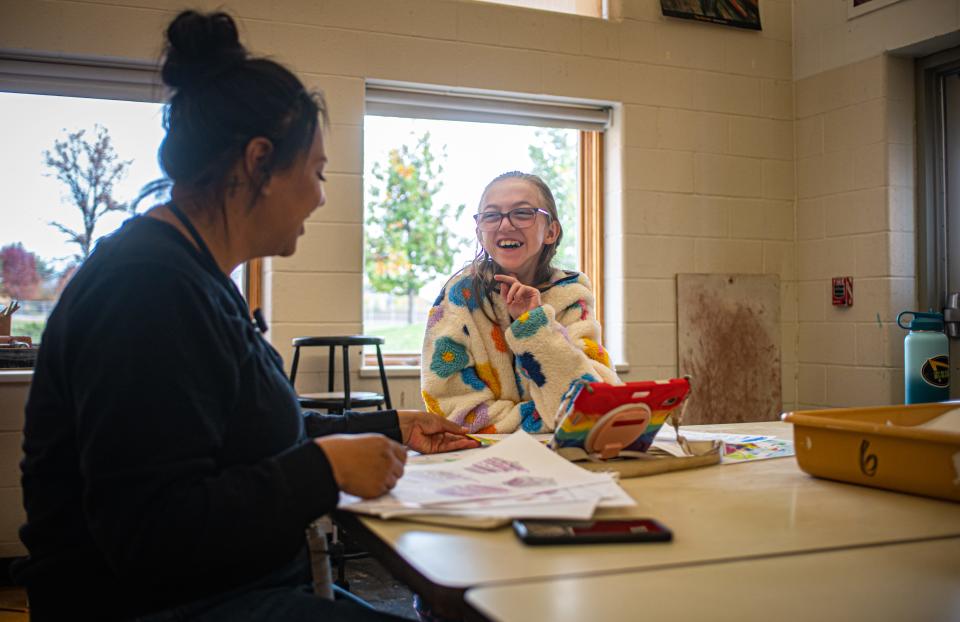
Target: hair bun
x,y
200,46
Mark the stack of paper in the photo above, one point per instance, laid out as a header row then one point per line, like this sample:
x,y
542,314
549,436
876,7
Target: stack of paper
x,y
515,478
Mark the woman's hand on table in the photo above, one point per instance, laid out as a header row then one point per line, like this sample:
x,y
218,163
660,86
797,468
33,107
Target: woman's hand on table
x,y
519,298
430,434
364,465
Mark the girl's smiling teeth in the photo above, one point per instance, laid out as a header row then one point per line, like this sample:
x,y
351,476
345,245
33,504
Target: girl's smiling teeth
x,y
509,243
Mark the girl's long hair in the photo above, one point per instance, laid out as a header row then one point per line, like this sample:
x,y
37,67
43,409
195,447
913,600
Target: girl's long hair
x,y
483,268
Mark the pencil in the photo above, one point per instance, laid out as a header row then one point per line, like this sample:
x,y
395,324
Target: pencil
x,y
483,441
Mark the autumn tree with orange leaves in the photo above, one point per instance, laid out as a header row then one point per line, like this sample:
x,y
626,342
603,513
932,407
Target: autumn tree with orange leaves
x,y
19,273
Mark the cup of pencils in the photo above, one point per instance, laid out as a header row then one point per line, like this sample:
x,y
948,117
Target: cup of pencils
x,y
6,316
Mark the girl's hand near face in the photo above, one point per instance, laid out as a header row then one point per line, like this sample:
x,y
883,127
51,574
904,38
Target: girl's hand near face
x,y
520,298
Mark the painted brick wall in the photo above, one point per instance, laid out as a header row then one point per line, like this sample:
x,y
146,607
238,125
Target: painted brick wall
x,y
855,144
855,218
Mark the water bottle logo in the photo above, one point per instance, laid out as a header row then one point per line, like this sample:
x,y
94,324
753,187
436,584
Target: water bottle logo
x,y
936,371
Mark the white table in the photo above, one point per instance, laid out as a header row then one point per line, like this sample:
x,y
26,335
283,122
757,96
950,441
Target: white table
x,y
717,513
917,581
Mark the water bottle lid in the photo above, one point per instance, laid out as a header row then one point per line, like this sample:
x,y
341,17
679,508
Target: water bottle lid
x,y
922,321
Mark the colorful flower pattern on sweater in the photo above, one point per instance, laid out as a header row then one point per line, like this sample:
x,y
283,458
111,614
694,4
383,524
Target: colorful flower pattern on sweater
x,y
472,360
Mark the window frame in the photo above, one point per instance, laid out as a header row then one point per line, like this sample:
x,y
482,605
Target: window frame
x,y
591,215
932,234
42,74
598,9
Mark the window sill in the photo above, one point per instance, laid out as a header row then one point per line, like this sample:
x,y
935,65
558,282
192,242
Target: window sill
x,y
393,371
16,376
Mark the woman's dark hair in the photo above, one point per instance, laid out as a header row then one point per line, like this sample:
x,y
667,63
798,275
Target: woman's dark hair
x,y
222,99
483,268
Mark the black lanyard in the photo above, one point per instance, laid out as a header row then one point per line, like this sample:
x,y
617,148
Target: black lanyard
x,y
210,264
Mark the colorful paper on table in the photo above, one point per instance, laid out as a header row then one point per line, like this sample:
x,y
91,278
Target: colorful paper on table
x,y
668,433
762,449
736,447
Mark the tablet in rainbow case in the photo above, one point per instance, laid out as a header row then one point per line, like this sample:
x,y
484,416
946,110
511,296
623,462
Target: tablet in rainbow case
x,y
604,420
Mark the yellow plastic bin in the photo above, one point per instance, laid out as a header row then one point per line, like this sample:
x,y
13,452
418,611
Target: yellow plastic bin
x,y
881,447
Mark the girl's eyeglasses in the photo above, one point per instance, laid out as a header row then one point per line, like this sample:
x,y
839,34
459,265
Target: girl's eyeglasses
x,y
521,218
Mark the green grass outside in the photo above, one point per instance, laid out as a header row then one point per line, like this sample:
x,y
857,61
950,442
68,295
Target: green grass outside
x,y
30,329
404,339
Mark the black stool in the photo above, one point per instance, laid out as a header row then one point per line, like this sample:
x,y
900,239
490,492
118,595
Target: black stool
x,y
339,401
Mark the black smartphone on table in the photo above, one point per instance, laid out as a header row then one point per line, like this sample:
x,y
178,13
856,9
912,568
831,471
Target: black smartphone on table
x,y
592,531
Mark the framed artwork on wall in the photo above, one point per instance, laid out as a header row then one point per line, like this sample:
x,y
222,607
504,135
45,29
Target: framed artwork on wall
x,y
856,8
739,13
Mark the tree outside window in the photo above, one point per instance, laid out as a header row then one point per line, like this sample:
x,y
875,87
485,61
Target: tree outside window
x,y
409,244
554,157
88,168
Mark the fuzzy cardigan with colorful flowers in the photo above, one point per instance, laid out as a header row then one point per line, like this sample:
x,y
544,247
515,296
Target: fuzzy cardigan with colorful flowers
x,y
495,377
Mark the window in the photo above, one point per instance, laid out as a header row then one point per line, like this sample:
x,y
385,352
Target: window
x,y
64,125
53,168
428,157
588,8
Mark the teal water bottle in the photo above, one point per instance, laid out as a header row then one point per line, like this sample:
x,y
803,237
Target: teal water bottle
x,y
926,362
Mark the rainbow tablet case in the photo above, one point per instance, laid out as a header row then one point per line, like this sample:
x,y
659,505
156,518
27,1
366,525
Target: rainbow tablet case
x,y
605,420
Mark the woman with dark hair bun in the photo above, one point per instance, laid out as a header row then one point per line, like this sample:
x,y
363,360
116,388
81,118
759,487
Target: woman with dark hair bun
x,y
169,473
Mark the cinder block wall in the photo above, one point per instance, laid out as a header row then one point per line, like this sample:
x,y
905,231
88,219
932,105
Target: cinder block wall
x,y
856,209
855,217
13,397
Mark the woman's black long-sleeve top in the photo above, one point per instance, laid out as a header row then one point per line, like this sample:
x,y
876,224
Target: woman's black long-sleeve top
x,y
165,452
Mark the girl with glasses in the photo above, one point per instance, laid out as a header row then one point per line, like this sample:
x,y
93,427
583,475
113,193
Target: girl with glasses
x,y
510,333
